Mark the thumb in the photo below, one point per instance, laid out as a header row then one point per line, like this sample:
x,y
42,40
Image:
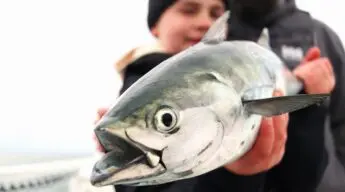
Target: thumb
x,y
278,93
101,111
312,54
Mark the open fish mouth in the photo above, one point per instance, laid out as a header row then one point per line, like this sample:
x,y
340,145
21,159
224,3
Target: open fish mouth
x,y
124,161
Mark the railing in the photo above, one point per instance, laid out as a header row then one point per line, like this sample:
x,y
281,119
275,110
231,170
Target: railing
x,y
37,175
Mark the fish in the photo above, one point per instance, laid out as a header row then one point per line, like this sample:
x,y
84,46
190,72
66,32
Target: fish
x,y
194,112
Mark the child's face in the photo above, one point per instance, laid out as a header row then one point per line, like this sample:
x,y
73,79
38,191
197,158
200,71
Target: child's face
x,y
185,22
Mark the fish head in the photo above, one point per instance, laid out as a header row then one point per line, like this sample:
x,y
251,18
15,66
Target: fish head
x,y
163,125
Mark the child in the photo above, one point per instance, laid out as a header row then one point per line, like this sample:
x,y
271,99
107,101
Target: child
x,y
176,25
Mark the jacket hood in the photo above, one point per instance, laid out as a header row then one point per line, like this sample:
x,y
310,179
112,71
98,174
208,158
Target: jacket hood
x,y
136,53
283,8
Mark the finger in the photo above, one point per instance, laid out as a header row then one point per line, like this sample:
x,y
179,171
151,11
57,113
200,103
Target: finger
x,y
280,124
313,63
312,54
99,147
328,65
264,142
325,65
321,72
277,93
279,156
301,71
321,81
308,74
330,75
258,157
322,63
102,111
317,76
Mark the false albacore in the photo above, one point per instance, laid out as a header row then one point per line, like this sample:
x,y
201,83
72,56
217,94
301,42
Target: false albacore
x,y
194,112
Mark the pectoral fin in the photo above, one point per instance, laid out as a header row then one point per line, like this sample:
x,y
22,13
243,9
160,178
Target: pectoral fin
x,y
284,104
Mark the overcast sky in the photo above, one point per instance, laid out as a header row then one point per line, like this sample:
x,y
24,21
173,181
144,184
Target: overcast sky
x,y
56,65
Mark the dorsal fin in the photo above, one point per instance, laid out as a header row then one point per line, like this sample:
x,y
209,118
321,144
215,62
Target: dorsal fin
x,y
218,30
294,85
264,39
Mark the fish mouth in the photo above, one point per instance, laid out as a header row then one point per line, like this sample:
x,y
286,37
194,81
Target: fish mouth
x,y
124,161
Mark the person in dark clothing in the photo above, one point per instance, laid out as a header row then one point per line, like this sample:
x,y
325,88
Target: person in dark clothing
x,y
305,159
294,33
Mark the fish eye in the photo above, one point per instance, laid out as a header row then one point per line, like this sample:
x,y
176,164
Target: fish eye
x,y
165,120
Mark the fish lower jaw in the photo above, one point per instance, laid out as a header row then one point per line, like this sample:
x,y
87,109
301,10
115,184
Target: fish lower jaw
x,y
132,173
124,162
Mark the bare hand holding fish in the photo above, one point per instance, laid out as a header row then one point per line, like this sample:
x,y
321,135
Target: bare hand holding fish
x,y
316,72
198,111
268,149
100,113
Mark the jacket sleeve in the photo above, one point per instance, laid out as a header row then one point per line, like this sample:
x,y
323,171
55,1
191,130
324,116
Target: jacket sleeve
x,y
336,55
135,70
223,180
129,79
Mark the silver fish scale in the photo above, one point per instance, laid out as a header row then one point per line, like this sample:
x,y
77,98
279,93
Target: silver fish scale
x,y
230,60
243,68
252,71
241,65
